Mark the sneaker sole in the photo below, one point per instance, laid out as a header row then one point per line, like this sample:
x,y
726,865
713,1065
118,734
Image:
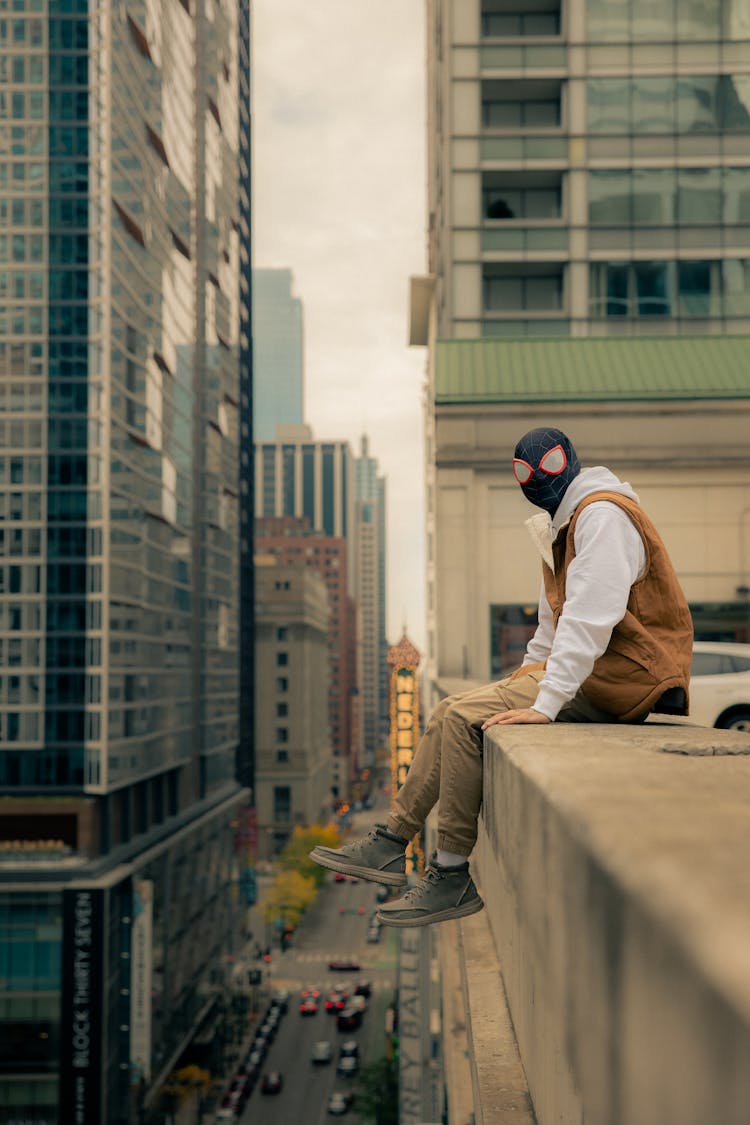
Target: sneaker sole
x,y
371,874
472,907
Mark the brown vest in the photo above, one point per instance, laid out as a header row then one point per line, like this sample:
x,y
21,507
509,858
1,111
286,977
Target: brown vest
x,y
650,650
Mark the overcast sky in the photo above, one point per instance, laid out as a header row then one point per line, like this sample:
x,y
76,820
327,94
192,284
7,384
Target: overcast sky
x,y
339,197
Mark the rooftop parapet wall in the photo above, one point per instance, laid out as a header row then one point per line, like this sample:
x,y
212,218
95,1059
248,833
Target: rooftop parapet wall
x,y
615,864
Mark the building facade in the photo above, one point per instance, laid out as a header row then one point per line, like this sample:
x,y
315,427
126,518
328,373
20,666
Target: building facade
x,y
371,601
291,542
589,177
294,759
119,377
278,353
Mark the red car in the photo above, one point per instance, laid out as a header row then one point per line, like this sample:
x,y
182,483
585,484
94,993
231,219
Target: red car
x,y
308,1007
271,1082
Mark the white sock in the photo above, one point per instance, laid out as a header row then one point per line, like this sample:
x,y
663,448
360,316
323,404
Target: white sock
x,y
449,859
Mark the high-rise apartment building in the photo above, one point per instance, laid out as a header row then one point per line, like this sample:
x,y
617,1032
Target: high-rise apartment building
x,y
291,542
123,217
589,189
371,601
278,355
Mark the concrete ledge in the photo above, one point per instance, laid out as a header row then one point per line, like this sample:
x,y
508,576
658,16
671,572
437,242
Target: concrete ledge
x,y
615,864
501,1094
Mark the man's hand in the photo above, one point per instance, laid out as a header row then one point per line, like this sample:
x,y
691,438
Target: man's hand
x,y
525,715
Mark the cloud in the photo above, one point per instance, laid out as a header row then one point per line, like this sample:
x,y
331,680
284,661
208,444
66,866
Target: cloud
x,y
339,196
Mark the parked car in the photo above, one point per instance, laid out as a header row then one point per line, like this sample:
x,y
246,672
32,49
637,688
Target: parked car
x,y
343,965
322,1052
720,685
272,1082
339,1103
280,1000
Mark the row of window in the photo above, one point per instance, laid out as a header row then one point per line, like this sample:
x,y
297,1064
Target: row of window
x,y
665,288
620,21
672,104
631,197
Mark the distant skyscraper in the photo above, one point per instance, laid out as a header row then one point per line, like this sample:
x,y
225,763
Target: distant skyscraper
x,y
122,203
278,358
370,594
298,476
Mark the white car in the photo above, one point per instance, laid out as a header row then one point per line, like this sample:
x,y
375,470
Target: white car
x,y
720,685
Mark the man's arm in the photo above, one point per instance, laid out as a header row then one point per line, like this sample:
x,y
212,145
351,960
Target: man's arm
x,y
610,557
540,645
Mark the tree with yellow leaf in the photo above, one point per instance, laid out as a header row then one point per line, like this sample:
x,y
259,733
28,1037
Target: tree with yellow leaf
x,y
289,897
296,853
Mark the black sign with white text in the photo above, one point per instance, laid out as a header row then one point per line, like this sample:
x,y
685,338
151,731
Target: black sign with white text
x,y
81,1023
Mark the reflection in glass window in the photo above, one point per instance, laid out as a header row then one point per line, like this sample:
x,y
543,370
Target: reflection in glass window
x,y
653,196
736,195
609,105
609,198
699,196
652,105
736,287
700,20
608,21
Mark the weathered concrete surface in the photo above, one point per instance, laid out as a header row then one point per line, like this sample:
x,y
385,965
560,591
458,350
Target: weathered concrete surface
x,y
615,864
501,1093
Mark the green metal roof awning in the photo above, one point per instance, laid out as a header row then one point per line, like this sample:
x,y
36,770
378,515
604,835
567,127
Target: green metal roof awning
x,y
562,370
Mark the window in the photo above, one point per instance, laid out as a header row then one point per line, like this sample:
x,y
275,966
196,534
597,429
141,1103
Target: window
x,y
282,734
281,633
514,292
282,659
518,202
282,710
282,803
282,756
513,24
282,683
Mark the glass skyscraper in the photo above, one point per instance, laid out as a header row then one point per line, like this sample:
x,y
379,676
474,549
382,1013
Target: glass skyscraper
x,y
124,230
278,353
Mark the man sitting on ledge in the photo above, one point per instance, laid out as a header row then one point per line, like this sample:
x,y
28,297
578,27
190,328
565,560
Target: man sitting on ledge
x,y
614,642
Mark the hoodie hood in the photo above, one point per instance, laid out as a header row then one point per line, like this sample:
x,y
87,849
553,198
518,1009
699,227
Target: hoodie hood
x,y
544,530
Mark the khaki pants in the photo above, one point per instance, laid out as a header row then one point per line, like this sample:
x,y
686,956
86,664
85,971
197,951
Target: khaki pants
x,y
448,760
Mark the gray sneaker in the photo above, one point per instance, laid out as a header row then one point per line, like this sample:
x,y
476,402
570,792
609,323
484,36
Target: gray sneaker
x,y
380,857
443,893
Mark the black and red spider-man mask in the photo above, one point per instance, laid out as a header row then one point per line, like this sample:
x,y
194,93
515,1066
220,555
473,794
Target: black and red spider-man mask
x,y
544,464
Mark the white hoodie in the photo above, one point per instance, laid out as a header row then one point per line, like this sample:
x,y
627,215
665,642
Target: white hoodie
x,y
610,557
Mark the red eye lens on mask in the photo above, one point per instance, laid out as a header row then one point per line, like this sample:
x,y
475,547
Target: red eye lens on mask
x,y
522,471
553,462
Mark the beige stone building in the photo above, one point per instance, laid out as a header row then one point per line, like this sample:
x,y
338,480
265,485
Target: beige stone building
x,y
294,755
589,170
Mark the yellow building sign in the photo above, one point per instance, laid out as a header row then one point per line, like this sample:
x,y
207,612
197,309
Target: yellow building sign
x,y
404,711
